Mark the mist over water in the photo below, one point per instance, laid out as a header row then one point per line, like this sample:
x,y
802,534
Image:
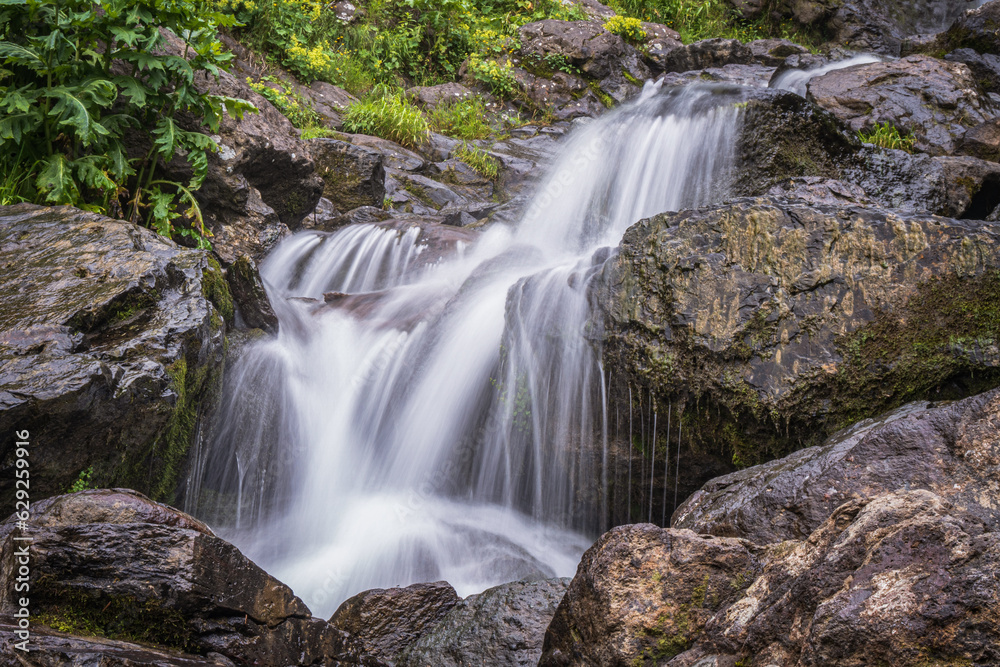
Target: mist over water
x,y
443,418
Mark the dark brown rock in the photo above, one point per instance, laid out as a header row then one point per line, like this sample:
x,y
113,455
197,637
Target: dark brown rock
x,y
983,141
502,627
352,175
706,53
118,562
816,190
643,594
985,68
383,622
934,100
585,44
950,449
976,30
774,52
250,296
111,347
444,93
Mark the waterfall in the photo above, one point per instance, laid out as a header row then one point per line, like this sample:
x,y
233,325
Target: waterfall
x,y
434,407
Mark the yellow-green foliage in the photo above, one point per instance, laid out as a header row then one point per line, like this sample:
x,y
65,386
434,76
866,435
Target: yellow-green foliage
x,y
462,119
628,28
484,164
291,104
390,117
498,74
887,135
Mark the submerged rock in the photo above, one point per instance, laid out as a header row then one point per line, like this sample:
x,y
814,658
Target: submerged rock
x,y
111,348
934,100
779,322
115,563
502,627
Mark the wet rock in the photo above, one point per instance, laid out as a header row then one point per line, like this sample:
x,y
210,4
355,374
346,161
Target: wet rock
x,y
111,347
950,449
383,622
352,175
260,152
50,648
895,579
249,227
753,76
444,93
816,190
566,96
774,52
503,627
784,136
784,321
322,216
393,155
934,100
344,11
961,187
594,9
432,194
116,561
706,53
643,594
983,141
585,44
327,100
976,30
364,215
250,297
985,67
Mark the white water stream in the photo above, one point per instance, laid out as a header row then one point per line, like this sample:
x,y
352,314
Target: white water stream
x,y
444,420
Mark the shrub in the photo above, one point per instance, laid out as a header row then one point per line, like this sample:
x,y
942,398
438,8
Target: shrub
x,y
628,28
887,135
462,119
64,110
389,117
497,74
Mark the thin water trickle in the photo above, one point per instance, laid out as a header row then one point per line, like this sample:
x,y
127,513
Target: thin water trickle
x,y
422,418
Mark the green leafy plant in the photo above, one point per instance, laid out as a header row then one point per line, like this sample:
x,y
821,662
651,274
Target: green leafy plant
x,y
82,482
390,117
77,75
887,135
497,74
484,164
626,27
462,119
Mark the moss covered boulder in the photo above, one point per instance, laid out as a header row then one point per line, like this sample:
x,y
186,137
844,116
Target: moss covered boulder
x,y
111,563
774,322
111,348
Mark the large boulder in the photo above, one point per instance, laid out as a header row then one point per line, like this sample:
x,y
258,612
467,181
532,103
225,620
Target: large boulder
x,y
951,449
934,100
983,141
114,563
904,579
704,54
643,594
111,349
777,322
502,627
985,68
383,622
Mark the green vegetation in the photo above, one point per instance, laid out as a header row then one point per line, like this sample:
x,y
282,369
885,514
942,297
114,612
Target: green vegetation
x,y
390,117
886,135
66,105
702,19
82,482
462,119
628,28
294,107
484,164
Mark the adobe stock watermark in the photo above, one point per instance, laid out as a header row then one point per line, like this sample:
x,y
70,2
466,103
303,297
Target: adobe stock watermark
x,y
22,542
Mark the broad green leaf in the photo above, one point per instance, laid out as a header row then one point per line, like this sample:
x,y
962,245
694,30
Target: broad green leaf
x,y
166,138
132,89
91,175
126,36
199,166
118,163
56,182
19,55
20,125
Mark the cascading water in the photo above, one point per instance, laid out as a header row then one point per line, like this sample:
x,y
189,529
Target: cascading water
x,y
430,420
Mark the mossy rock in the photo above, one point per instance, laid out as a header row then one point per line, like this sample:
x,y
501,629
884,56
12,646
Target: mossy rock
x,y
774,323
114,354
